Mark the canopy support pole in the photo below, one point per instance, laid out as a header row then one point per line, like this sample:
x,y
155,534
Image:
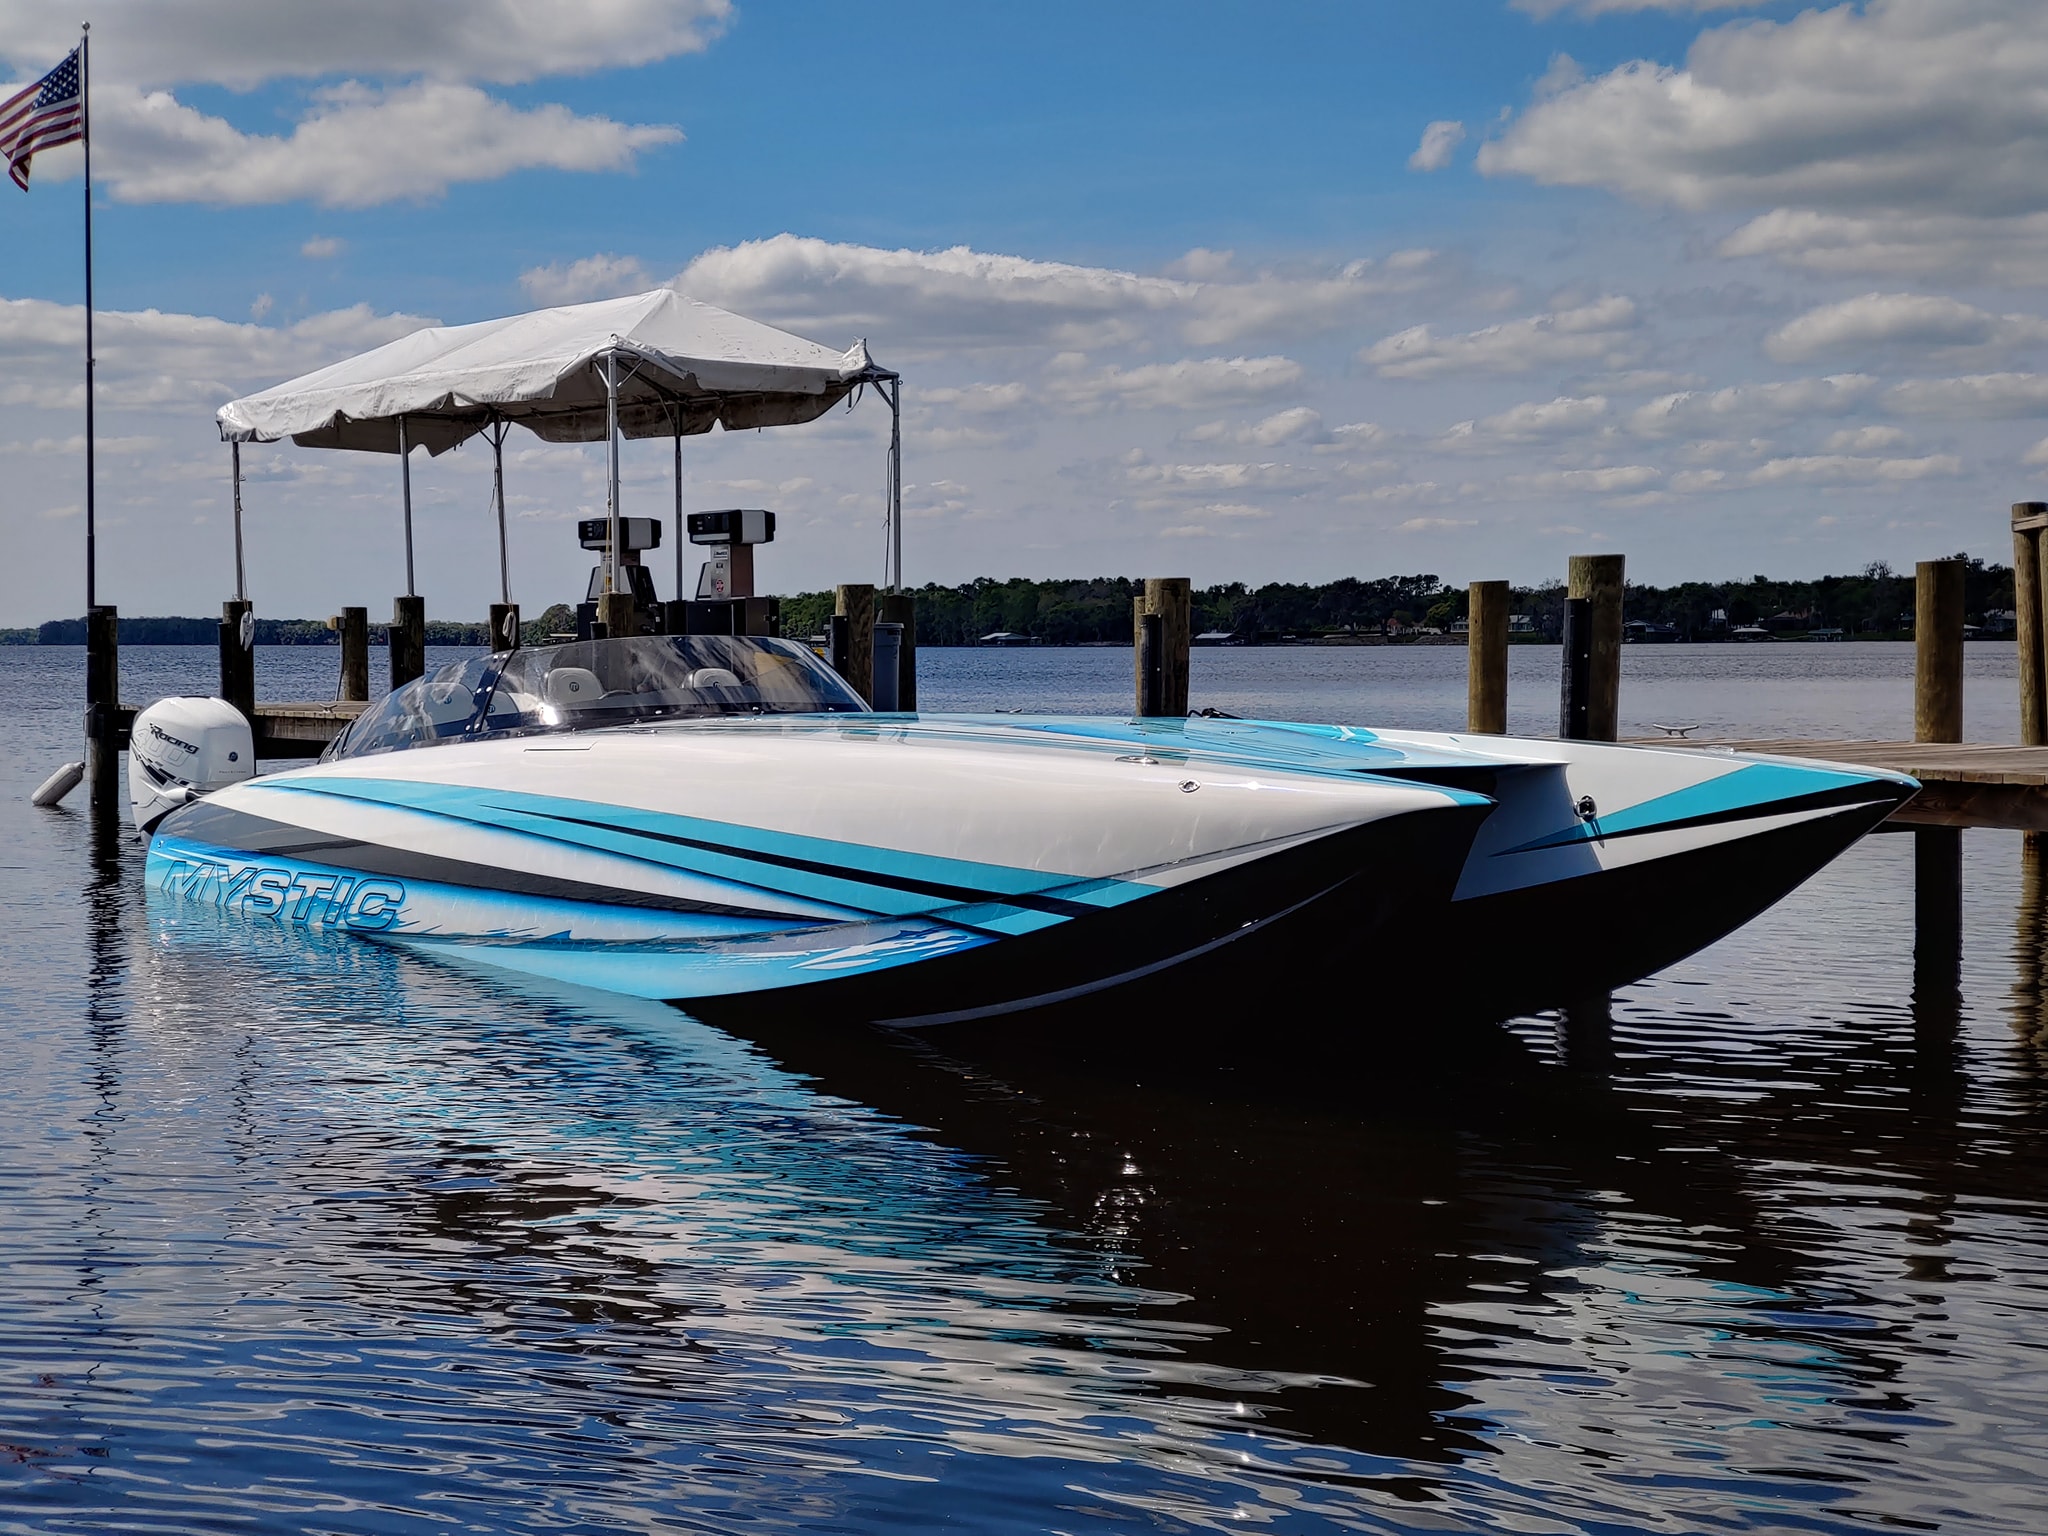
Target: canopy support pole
x,y
896,485
241,577
405,483
498,496
611,415
680,593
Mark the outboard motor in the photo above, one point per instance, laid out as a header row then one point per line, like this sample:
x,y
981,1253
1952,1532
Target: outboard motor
x,y
181,749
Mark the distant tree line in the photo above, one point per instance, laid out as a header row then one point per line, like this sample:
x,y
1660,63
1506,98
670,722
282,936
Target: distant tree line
x,y
1875,603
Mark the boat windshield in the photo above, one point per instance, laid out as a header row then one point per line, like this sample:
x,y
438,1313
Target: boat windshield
x,y
595,683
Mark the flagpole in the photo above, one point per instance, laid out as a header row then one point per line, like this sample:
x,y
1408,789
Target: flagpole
x,y
85,123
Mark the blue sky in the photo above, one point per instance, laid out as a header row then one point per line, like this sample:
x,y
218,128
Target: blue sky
x,y
1175,288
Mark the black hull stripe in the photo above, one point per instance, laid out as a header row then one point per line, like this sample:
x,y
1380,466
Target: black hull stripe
x,y
1842,796
964,895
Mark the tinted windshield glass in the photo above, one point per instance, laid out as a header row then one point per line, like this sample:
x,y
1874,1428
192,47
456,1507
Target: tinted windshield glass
x,y
601,682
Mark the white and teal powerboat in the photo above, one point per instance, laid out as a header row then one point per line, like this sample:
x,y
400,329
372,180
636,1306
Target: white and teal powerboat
x,y
721,823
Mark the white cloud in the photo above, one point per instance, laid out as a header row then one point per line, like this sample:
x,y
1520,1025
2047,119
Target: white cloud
x,y
1899,135
1533,421
593,277
1440,140
1716,412
961,298
2012,250
1605,481
1977,396
190,363
1190,382
1865,439
242,43
1898,320
1850,469
1600,332
1692,481
1296,424
321,248
359,146
2038,454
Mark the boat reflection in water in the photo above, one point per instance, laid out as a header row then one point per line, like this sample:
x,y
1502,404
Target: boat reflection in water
x,y
1727,1249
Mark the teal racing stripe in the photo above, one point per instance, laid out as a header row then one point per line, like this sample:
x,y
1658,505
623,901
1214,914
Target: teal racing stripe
x,y
842,873
1752,787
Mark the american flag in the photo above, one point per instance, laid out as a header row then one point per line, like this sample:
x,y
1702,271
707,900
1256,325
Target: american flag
x,y
48,113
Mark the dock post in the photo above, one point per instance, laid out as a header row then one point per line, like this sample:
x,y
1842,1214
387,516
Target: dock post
x,y
408,642
1172,599
2028,519
1151,663
888,667
238,656
619,614
354,625
1486,658
856,603
1937,923
102,705
901,608
1576,683
504,626
1598,579
1938,650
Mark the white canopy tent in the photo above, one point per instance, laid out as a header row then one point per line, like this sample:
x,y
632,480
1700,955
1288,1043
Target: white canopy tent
x,y
650,365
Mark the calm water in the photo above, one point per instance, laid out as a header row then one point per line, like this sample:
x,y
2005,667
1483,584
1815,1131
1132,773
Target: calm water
x,y
298,1236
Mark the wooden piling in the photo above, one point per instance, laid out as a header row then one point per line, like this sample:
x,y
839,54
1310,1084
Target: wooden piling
x,y
1575,683
619,614
856,601
901,608
408,640
238,656
354,624
1151,661
1937,921
102,704
1598,579
504,626
1172,599
1938,650
1486,658
2028,519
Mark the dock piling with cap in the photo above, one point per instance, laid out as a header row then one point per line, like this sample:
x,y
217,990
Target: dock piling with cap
x,y
855,602
1938,650
1595,580
1486,658
354,627
408,640
2028,519
238,656
900,608
1170,601
102,704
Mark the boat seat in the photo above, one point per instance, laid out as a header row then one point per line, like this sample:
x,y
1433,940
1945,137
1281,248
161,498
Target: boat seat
x,y
447,703
713,677
572,688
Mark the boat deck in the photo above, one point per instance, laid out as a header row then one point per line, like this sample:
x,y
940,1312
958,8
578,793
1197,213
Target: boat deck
x,y
1963,784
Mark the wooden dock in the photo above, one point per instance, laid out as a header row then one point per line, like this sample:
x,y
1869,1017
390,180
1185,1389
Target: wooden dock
x,y
1963,784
